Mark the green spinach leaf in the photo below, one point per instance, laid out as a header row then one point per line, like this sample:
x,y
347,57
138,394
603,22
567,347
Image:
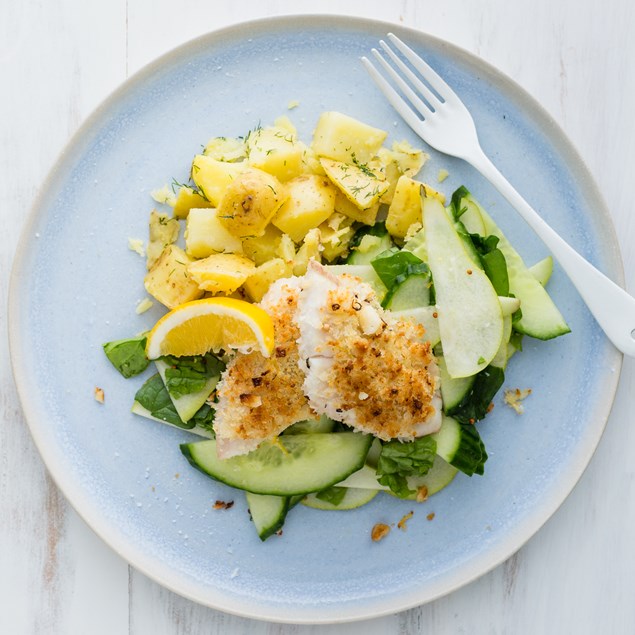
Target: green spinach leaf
x,y
154,397
399,460
128,356
476,403
188,375
334,495
394,267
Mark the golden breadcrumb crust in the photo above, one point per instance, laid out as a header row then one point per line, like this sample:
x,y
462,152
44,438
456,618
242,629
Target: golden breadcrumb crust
x,y
384,378
259,397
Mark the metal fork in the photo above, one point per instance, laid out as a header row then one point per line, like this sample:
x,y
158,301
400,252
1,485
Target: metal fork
x,y
441,119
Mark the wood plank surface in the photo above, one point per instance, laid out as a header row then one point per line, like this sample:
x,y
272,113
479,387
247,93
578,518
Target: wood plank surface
x,y
59,59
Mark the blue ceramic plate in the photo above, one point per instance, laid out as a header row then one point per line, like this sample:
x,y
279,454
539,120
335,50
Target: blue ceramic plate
x,y
76,284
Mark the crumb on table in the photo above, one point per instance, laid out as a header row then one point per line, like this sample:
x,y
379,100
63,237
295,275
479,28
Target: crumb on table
x,y
99,394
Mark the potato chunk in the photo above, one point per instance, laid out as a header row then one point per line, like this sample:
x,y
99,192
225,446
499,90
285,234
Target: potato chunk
x,y
221,273
335,234
169,282
405,209
343,138
277,151
250,201
206,235
344,206
186,199
163,231
361,185
226,149
259,282
311,201
212,176
265,247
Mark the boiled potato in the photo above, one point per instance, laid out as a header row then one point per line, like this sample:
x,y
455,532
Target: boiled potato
x,y
405,209
277,151
344,206
309,249
163,232
401,160
250,201
343,138
361,185
206,235
221,273
335,234
186,199
311,201
259,282
168,280
226,149
265,247
212,176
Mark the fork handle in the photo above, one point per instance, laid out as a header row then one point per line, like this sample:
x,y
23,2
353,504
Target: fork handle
x,y
611,306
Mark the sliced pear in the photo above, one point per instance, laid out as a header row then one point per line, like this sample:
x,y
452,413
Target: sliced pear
x,y
469,312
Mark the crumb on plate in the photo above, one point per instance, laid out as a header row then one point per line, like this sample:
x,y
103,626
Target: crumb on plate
x,y
164,195
514,396
402,523
136,245
143,306
223,504
422,494
99,394
379,531
443,174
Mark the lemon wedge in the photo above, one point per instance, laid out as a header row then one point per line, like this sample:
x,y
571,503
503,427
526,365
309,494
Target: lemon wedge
x,y
211,324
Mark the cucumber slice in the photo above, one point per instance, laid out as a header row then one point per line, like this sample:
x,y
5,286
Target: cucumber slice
x,y
293,464
460,445
413,291
267,512
441,474
469,312
188,405
364,478
311,426
453,391
541,318
427,317
353,498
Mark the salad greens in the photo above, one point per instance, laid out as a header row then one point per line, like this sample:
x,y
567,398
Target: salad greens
x,y
334,495
186,375
154,397
399,460
477,401
128,356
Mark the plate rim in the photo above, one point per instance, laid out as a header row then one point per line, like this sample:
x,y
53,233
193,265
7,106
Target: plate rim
x,y
108,532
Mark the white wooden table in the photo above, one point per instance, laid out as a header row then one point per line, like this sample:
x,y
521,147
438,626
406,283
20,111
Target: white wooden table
x,y
59,59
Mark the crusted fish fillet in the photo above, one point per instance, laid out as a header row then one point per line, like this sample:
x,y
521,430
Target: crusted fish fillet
x,y
258,397
364,367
